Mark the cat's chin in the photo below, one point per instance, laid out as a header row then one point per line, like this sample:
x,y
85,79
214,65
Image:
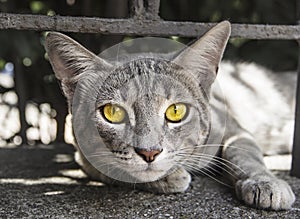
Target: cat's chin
x,y
148,175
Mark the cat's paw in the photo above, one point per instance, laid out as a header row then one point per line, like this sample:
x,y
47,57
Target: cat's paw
x,y
177,181
265,193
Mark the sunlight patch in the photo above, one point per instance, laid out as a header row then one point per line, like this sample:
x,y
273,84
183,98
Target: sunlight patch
x,y
95,183
278,162
77,174
40,181
63,158
54,193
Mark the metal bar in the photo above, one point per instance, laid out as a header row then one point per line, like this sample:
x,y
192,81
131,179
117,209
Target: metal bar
x,y
295,170
137,9
140,27
152,9
21,89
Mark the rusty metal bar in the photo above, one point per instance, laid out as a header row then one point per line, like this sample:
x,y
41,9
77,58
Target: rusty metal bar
x,y
140,27
144,9
295,170
152,9
137,9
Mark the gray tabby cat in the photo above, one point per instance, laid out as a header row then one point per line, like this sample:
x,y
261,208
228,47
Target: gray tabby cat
x,y
155,138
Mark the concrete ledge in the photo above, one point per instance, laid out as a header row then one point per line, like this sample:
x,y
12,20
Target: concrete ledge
x,y
44,181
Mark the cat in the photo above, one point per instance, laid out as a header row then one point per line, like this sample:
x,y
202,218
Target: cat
x,y
150,119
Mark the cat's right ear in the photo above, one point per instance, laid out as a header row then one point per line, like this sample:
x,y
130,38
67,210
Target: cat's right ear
x,y
70,61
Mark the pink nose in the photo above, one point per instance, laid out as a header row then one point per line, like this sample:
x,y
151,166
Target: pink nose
x,y
148,156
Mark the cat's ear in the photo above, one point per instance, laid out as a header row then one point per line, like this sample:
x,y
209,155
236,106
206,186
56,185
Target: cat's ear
x,y
70,61
203,57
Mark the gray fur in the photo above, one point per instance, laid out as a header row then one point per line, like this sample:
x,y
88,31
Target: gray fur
x,y
145,86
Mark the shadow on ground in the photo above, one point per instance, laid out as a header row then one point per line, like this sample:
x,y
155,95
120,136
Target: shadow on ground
x,y
44,181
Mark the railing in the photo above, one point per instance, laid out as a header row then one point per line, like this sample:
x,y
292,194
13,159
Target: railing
x,y
141,25
144,20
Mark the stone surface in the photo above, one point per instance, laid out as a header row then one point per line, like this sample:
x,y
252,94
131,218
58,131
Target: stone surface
x,y
43,181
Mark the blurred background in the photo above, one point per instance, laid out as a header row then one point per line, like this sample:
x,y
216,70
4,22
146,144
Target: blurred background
x,y
32,108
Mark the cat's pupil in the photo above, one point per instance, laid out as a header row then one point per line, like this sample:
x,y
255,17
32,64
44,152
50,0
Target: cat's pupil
x,y
113,110
175,109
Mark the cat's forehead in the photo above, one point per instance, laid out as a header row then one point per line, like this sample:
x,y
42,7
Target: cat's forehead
x,y
153,78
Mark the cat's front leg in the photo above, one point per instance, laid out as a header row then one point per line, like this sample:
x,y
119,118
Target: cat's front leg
x,y
254,183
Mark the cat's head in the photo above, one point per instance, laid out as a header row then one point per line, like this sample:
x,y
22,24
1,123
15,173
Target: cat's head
x,y
151,112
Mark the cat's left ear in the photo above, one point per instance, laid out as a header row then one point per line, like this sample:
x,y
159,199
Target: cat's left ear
x,y
203,57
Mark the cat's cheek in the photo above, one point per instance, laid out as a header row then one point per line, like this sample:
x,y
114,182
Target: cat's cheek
x,y
183,136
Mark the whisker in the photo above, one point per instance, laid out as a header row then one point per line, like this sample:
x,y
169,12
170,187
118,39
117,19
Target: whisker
x,y
100,154
206,174
227,146
221,160
192,148
195,167
196,163
115,169
101,164
229,170
111,163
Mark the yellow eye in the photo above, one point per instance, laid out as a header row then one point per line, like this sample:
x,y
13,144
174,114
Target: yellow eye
x,y
176,112
114,113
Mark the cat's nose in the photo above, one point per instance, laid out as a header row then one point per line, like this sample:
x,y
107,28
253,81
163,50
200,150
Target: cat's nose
x,y
148,156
